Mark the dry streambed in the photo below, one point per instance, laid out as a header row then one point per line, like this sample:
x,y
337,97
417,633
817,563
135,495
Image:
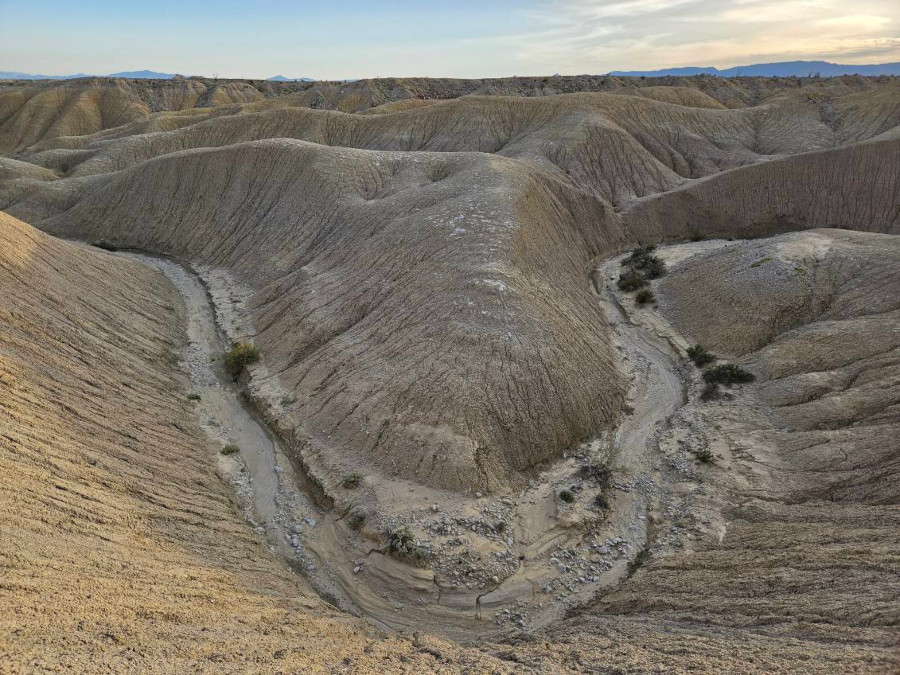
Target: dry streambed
x,y
557,555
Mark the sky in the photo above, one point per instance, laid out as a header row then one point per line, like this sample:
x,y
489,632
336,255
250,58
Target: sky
x,y
458,38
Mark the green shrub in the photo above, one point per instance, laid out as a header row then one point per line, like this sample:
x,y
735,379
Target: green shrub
x,y
728,373
566,496
352,480
644,296
654,268
356,520
194,396
230,449
402,544
240,356
601,501
760,262
500,527
710,392
632,280
700,355
640,255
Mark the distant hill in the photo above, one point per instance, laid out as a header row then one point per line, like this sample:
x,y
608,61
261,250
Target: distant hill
x,y
143,75
132,74
282,78
780,69
6,75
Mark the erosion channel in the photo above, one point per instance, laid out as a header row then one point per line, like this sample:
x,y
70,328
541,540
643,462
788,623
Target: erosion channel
x,y
566,554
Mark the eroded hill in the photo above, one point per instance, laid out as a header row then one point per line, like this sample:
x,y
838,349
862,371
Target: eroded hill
x,y
417,280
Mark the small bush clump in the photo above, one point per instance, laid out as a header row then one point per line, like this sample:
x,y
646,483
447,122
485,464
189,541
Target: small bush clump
x,y
352,480
597,472
728,373
194,396
700,355
230,449
710,392
356,520
654,268
644,297
642,258
704,455
631,280
500,526
601,501
567,496
640,255
402,544
240,356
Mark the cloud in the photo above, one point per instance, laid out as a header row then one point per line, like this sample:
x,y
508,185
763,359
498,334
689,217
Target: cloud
x,y
576,36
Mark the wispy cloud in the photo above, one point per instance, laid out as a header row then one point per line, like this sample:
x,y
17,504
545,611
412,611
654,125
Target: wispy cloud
x,y
597,36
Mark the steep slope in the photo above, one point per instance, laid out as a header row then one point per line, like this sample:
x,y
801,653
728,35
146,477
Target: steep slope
x,y
853,188
806,457
419,308
121,548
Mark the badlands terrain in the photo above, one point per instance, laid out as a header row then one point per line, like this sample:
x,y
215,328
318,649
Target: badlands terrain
x,y
464,447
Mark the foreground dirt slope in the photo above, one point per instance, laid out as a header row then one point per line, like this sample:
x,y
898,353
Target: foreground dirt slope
x,y
120,546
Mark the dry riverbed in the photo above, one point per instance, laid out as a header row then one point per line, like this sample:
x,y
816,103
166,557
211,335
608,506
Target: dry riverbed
x,y
498,563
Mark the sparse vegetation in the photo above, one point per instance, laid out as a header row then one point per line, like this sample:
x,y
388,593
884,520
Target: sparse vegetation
x,y
632,280
230,449
500,527
402,544
710,392
728,373
194,396
700,355
645,296
352,480
601,501
640,255
696,236
239,357
642,266
567,496
597,472
635,563
760,262
356,520
654,267
704,455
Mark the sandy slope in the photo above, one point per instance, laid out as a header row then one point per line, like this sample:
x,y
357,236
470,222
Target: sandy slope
x,y
120,547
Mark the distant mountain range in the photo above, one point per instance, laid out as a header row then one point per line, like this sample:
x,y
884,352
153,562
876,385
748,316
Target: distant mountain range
x,y
780,69
282,78
133,74
128,74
